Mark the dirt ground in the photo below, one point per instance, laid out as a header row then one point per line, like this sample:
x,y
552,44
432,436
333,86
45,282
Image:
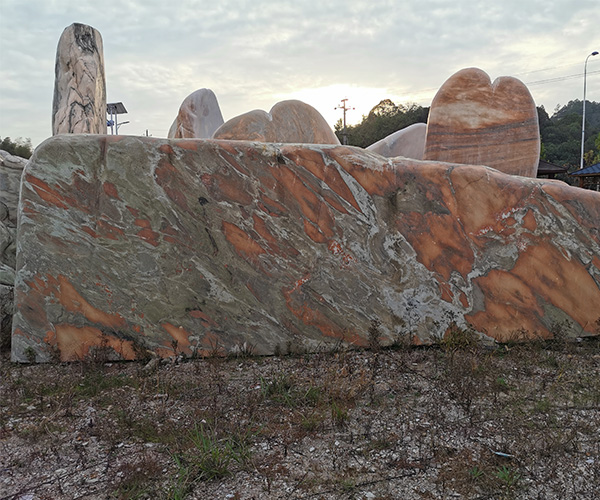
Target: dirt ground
x,y
455,421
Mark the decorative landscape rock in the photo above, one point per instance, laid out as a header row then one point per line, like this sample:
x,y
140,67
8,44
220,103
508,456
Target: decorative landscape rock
x,y
199,116
475,122
8,252
288,122
79,105
6,312
7,275
143,244
408,142
11,168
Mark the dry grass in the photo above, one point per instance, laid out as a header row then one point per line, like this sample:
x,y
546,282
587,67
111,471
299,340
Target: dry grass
x,y
462,421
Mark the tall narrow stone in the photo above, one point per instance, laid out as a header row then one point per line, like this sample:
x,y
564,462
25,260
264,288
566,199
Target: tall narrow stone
x,y
198,117
79,105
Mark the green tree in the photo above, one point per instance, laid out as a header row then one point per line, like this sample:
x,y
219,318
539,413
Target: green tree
x,y
561,133
18,147
384,119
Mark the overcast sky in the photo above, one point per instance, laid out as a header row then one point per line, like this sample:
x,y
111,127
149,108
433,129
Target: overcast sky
x,y
255,53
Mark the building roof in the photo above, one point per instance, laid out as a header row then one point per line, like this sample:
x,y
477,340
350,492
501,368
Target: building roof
x,y
547,168
588,171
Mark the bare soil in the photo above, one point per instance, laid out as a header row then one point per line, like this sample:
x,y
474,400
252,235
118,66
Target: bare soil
x,y
457,421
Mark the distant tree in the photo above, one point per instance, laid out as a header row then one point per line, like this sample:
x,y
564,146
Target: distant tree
x,y
561,134
18,147
384,119
385,108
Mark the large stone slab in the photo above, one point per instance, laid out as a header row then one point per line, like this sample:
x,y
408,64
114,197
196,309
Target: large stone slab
x,y
200,246
288,121
408,142
198,117
476,122
79,104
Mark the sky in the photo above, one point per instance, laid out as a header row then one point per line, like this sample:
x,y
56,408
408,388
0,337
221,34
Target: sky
x,y
255,53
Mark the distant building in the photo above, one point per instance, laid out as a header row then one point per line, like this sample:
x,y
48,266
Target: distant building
x,y
589,177
550,170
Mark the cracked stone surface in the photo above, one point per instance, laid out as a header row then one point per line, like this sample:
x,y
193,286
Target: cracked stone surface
x,y
11,168
190,246
79,104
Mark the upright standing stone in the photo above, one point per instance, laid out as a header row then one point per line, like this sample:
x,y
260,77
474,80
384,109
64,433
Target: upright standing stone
x,y
79,105
199,116
408,142
288,122
475,122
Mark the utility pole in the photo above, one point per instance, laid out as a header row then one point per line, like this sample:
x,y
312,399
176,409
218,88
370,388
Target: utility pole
x,y
344,108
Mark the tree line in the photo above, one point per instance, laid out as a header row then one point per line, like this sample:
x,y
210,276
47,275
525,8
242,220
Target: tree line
x,y
19,147
560,133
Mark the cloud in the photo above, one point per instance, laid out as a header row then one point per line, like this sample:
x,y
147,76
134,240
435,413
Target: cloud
x,y
253,52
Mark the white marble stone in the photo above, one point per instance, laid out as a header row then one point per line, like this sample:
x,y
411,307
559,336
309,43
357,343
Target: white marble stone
x,y
198,117
408,142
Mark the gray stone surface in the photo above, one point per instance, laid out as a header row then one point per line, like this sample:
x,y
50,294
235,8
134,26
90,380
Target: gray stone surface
x,y
408,142
79,104
11,168
203,246
198,117
8,250
6,313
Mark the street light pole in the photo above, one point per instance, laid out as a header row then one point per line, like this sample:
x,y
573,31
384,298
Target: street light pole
x,y
595,53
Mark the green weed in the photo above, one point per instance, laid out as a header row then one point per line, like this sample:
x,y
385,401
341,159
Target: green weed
x,y
508,476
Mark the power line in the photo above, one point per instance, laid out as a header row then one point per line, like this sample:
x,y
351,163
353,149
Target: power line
x,y
562,78
546,69
537,82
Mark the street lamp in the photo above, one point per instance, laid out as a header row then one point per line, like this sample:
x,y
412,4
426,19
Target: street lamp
x,y
114,109
595,53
